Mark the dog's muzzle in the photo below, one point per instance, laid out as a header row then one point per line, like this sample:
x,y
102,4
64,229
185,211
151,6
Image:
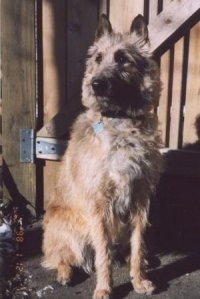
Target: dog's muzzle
x,y
100,86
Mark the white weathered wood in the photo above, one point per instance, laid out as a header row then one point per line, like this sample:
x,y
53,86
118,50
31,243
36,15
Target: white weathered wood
x,y
153,8
123,12
169,21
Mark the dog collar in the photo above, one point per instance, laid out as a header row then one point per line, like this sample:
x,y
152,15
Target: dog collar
x,y
98,127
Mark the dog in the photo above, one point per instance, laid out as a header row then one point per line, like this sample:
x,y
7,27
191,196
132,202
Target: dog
x,y
112,164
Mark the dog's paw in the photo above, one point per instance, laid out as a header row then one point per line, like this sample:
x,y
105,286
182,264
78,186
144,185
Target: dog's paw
x,y
63,276
62,280
143,286
102,294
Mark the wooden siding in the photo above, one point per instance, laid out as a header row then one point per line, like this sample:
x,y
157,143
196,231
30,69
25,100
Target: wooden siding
x,y
178,70
68,29
180,64
65,31
18,97
192,101
176,124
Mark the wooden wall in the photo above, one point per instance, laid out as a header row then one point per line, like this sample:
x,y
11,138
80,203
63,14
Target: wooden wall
x,y
180,101
41,89
68,29
18,98
63,71
180,71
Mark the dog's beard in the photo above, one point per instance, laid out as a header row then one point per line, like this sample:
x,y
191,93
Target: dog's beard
x,y
122,105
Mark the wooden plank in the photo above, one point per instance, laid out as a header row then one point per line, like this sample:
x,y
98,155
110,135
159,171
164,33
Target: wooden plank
x,y
72,26
175,111
59,125
54,56
80,33
164,108
168,25
192,106
54,31
81,25
163,102
18,93
153,9
103,7
123,12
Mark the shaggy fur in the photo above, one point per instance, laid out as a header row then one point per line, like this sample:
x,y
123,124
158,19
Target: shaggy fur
x,y
111,165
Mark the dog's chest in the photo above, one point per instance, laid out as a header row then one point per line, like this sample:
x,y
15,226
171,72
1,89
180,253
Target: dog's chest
x,y
124,150
117,151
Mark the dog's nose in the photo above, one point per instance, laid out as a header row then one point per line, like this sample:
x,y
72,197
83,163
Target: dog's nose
x,y
100,86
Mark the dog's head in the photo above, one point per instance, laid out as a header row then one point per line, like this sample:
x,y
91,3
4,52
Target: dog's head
x,y
120,75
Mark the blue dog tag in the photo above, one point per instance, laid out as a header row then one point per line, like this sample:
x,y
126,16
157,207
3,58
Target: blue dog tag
x,y
98,127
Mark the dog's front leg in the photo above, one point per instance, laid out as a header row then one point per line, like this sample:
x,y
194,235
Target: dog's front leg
x,y
103,263
137,260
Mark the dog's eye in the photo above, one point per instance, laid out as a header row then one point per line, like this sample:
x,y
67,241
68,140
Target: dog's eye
x,y
120,57
99,58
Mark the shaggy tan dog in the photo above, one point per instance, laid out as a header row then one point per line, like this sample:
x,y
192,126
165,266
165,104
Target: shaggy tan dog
x,y
111,165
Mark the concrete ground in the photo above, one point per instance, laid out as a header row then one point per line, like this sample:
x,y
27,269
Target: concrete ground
x,y
177,277
173,243
176,273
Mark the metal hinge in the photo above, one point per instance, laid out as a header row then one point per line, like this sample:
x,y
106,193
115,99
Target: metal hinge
x,y
32,147
27,146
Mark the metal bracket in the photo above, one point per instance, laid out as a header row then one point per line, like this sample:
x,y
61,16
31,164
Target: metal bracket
x,y
50,148
32,147
27,146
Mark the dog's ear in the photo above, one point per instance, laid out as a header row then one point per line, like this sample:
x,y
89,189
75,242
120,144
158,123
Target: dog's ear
x,y
104,27
139,29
